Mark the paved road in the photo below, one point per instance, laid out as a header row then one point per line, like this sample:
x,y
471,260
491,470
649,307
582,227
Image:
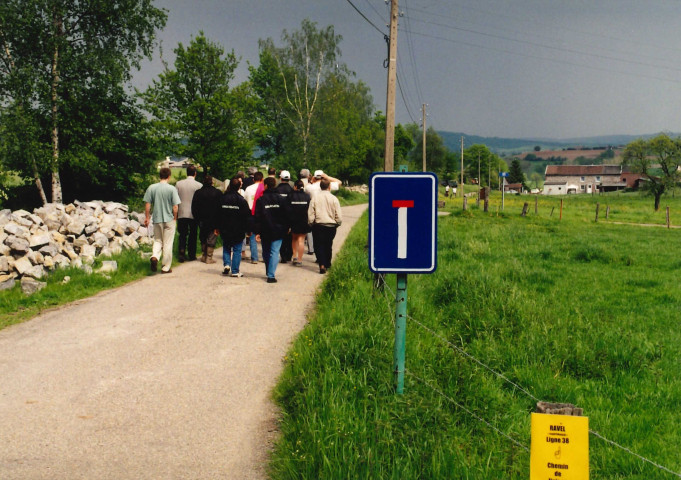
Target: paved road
x,y
165,378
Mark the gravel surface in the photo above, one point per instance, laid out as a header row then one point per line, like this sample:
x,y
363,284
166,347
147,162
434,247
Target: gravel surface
x,y
165,378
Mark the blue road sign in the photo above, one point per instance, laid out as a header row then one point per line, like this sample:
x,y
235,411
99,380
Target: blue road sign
x,y
403,222
503,174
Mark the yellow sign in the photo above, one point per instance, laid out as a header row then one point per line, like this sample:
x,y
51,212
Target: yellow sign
x,y
560,447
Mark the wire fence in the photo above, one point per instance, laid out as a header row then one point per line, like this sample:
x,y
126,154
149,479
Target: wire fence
x,y
501,376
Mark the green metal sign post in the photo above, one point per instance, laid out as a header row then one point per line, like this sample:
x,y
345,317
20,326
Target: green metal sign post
x,y
402,241
400,331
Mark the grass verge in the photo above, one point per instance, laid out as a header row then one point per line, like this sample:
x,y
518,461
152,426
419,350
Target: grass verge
x,y
572,311
15,307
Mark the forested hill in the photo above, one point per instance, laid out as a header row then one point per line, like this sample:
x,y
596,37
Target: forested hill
x,y
452,141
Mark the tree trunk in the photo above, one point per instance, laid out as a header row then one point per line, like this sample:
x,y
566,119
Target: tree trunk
x,y
56,182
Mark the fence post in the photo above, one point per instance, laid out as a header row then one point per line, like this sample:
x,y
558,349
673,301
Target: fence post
x,y
552,209
598,206
536,206
525,207
561,209
465,203
607,212
486,205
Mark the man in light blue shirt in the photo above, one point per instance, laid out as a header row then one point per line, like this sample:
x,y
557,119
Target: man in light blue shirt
x,y
165,200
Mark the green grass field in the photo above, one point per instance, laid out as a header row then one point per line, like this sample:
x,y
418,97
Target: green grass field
x,y
569,310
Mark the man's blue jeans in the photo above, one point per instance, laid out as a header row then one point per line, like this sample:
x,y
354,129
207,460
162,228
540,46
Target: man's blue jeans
x,y
270,254
231,256
254,248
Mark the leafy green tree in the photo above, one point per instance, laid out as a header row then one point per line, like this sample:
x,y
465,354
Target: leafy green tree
x,y
345,136
658,160
194,111
307,59
436,152
479,158
57,54
515,173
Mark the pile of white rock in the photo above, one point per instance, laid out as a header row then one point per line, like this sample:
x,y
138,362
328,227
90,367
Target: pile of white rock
x,y
56,235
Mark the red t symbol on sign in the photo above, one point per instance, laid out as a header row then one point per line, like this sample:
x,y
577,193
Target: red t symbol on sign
x,y
401,206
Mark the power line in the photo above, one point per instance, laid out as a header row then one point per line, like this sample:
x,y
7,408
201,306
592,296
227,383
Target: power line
x,y
410,45
532,33
567,29
399,84
550,47
547,59
365,18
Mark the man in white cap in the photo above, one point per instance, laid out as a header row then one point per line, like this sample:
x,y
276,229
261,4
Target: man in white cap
x,y
313,189
285,189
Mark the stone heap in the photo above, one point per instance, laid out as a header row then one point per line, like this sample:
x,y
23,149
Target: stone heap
x,y
56,235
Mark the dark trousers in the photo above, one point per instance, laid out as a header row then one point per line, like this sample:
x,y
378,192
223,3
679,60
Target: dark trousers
x,y
286,251
187,227
322,237
207,234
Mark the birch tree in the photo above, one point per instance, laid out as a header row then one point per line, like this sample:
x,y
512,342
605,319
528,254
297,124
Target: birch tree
x,y
69,51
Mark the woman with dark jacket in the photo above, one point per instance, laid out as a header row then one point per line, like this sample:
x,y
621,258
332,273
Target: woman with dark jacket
x,y
234,219
299,202
271,225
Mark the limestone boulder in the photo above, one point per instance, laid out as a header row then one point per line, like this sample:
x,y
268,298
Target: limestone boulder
x,y
30,285
17,245
22,265
108,266
39,240
17,230
36,271
7,282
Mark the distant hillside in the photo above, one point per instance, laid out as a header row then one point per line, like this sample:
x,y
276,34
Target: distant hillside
x,y
516,146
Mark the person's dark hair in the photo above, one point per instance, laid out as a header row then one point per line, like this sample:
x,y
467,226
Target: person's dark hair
x,y
270,182
299,184
164,173
234,184
324,184
191,171
271,171
208,181
257,176
240,174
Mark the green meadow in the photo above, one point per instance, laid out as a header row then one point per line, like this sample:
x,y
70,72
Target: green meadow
x,y
520,309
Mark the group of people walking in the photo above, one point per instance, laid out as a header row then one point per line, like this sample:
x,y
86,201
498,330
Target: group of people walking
x,y
252,209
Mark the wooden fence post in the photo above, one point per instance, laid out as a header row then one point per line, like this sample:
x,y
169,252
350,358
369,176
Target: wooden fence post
x,y
465,203
525,209
598,206
607,212
552,209
486,204
536,206
561,209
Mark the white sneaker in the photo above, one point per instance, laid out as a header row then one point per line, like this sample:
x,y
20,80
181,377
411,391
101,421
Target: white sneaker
x,y
225,271
237,274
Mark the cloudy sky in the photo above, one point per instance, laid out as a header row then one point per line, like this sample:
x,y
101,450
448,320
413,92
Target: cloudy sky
x,y
506,68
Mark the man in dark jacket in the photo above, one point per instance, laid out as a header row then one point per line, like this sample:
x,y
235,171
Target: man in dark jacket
x,y
271,225
206,210
234,219
285,190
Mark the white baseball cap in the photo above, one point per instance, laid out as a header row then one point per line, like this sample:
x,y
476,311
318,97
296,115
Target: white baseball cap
x,y
318,173
284,175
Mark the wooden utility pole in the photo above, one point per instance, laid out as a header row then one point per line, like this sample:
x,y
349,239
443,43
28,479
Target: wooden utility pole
x,y
389,164
424,137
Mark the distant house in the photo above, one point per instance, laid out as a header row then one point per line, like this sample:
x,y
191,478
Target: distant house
x,y
574,179
513,188
176,162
